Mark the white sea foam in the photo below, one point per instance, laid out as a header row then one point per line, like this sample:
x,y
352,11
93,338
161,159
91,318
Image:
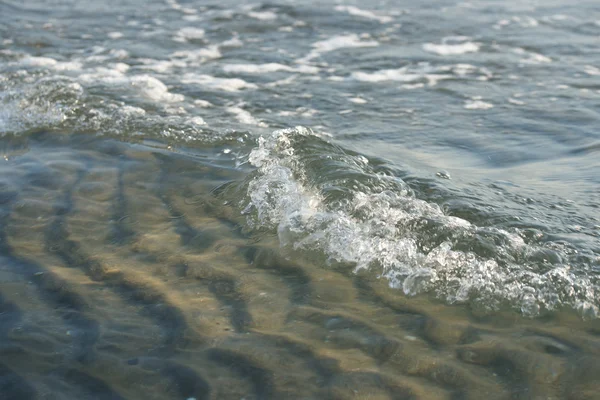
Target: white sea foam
x,y
244,116
300,111
282,82
357,100
188,33
197,121
477,104
121,67
342,41
203,103
377,227
357,12
530,57
268,68
50,63
263,15
103,75
522,21
131,111
192,17
202,55
411,86
38,62
404,74
114,35
338,42
147,86
501,24
160,66
15,117
526,21
223,84
233,42
119,54
154,89
451,49
34,105
515,101
591,70
401,75
415,76
176,6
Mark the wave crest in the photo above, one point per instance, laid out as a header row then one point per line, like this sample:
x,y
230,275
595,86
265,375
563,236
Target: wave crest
x,y
322,198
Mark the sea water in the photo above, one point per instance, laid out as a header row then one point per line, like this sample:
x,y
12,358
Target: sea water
x,y
225,200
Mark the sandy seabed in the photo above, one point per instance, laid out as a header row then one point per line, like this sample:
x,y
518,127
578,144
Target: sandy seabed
x,y
123,276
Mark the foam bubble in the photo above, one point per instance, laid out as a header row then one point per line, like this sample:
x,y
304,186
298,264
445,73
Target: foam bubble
x,y
282,82
233,42
176,6
477,104
188,33
263,15
197,121
38,62
515,101
160,66
522,21
415,76
357,12
400,75
244,116
300,111
268,68
409,86
338,42
200,55
120,54
203,103
223,84
121,67
114,35
50,63
342,41
154,89
131,111
102,75
526,21
357,100
147,86
451,49
192,17
591,70
531,57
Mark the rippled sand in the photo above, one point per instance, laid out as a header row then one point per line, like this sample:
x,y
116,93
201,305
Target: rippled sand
x,y
122,276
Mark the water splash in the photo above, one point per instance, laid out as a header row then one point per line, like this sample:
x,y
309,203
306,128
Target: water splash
x,y
321,198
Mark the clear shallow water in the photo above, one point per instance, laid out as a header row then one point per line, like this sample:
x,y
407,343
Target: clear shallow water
x,y
445,156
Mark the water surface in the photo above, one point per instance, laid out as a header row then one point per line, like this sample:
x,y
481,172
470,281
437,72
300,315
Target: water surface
x,y
284,200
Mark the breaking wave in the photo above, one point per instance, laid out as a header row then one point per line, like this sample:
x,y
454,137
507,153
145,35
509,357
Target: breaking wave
x,y
323,199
